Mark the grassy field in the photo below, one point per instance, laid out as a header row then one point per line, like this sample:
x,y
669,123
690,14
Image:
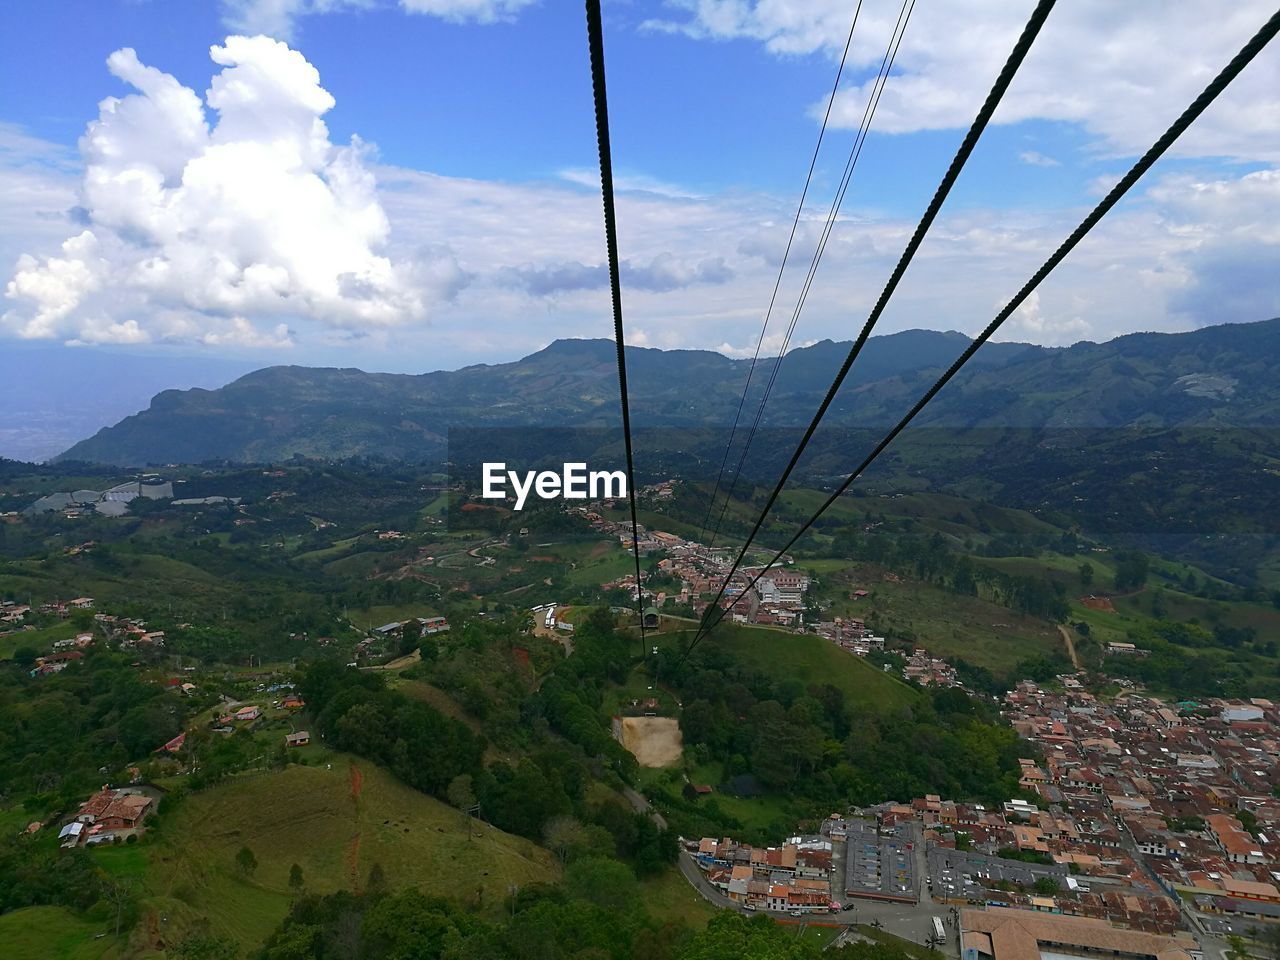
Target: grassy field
x,y
38,640
948,624
669,896
335,822
53,933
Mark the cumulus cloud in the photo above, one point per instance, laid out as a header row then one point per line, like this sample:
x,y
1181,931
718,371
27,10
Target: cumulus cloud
x,y
1122,71
257,213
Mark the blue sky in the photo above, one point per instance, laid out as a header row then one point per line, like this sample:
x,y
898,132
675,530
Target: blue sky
x,y
466,227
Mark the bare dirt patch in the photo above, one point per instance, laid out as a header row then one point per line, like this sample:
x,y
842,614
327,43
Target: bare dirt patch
x,y
654,741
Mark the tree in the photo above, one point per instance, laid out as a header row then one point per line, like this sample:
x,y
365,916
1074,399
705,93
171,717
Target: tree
x,y
606,883
462,794
1132,567
1086,574
1046,886
295,878
120,896
729,936
410,637
376,885
246,862
563,835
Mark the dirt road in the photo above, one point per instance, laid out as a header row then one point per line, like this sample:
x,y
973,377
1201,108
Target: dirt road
x,y
1071,647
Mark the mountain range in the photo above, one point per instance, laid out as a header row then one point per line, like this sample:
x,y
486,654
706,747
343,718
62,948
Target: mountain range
x,y
1218,376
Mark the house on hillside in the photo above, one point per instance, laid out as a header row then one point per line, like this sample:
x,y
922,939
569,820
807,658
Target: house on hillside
x,y
110,809
174,745
299,739
649,619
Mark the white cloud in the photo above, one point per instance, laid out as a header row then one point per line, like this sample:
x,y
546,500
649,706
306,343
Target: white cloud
x,y
1036,159
277,18
623,182
463,11
769,347
249,230
535,253
258,213
1122,71
240,332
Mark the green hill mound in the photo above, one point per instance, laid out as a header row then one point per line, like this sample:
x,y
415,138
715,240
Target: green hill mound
x,y
336,821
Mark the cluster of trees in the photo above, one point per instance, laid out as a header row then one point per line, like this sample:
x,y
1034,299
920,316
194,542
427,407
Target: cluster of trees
x,y
357,712
821,748
597,914
1190,660
38,874
58,731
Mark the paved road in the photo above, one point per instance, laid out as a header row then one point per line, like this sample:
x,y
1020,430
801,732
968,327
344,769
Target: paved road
x,y
641,805
921,860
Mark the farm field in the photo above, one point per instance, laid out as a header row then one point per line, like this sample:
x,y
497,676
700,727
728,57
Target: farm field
x,y
53,933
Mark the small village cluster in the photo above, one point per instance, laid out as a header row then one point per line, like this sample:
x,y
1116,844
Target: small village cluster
x,y
777,598
383,641
795,877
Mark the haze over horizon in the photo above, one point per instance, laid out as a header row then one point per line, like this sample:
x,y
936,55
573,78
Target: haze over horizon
x,y
292,200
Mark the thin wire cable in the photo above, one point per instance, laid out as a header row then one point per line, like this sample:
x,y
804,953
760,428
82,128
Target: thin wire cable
x,y
1250,50
1020,50
855,152
777,283
595,40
